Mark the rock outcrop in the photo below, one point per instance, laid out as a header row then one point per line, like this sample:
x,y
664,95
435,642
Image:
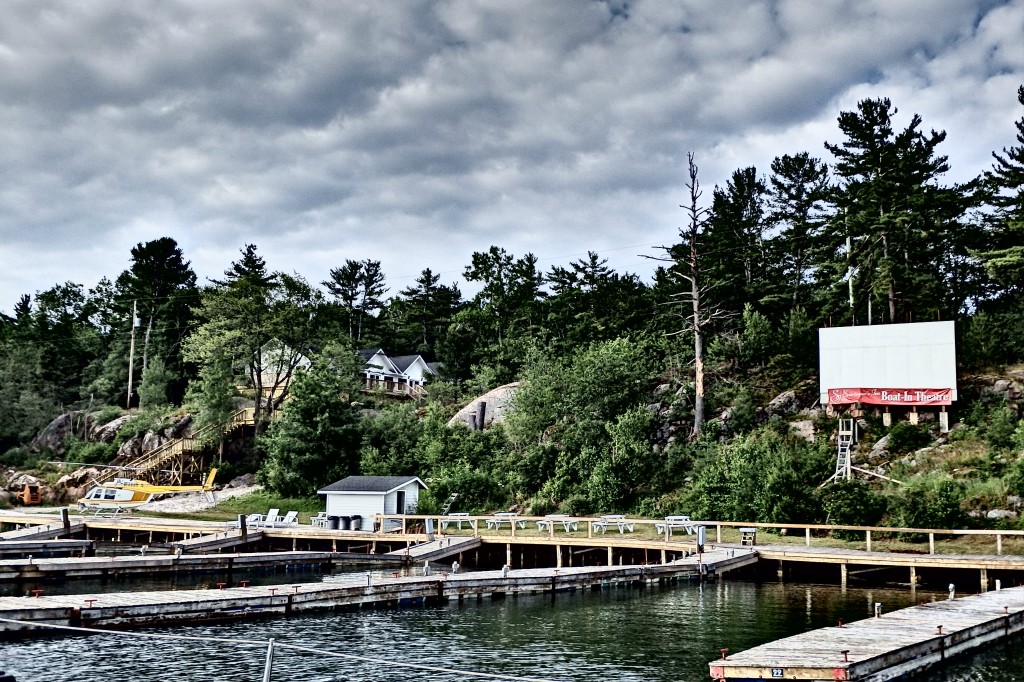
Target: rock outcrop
x,y
494,405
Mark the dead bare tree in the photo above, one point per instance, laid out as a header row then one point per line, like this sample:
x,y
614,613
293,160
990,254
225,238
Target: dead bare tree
x,y
686,266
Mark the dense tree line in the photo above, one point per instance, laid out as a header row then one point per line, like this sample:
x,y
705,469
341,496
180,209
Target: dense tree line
x,y
611,408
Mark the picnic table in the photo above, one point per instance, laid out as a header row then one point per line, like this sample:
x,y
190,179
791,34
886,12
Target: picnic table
x,y
510,518
612,520
457,518
675,523
567,522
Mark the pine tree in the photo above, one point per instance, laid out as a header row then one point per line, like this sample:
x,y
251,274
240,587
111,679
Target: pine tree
x,y
798,189
1005,262
894,217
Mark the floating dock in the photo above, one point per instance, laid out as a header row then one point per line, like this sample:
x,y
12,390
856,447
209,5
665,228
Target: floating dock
x,y
138,609
161,564
903,642
436,550
46,548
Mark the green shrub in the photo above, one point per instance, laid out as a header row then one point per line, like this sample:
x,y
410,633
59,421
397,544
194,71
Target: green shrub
x,y
1015,477
905,437
933,501
84,452
19,458
106,414
852,503
1002,424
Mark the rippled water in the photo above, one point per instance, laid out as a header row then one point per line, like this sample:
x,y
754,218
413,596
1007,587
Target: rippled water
x,y
660,634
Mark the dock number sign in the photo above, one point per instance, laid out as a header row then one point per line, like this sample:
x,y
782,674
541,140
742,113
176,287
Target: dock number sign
x,y
776,672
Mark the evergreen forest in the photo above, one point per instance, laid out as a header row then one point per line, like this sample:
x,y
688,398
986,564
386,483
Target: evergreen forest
x,y
643,396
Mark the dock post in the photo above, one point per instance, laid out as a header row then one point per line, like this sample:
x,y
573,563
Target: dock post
x,y
718,534
807,536
913,577
781,572
65,520
867,538
508,554
664,557
611,561
999,544
931,543
558,561
268,666
843,571
984,580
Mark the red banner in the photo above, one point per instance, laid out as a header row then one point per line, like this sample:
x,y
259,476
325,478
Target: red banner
x,y
891,396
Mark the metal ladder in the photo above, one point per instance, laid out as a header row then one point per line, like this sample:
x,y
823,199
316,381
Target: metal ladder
x,y
448,503
845,440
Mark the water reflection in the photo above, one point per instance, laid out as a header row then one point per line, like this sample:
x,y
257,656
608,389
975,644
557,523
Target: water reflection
x,y
658,634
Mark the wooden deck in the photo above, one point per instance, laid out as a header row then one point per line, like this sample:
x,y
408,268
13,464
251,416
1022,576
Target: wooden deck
x,y
114,566
906,641
437,550
129,609
45,548
849,559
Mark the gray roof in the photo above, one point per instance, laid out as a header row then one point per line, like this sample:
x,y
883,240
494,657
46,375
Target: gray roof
x,y
370,484
402,362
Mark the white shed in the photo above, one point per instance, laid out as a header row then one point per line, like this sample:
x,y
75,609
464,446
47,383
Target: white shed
x,y
368,495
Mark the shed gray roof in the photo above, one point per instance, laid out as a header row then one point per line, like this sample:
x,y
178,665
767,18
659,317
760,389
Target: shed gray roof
x,y
370,484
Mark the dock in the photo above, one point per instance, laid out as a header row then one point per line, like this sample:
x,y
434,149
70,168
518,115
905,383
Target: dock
x,y
46,548
230,539
51,530
902,642
144,609
847,560
32,570
436,550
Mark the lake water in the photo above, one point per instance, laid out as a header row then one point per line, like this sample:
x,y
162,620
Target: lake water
x,y
660,634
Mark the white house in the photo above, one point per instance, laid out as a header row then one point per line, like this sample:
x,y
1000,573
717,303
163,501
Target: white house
x,y
399,375
365,496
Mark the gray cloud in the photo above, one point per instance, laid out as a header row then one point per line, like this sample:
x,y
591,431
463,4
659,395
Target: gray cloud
x,y
418,132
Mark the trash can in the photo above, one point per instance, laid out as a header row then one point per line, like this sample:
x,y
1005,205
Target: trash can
x,y
357,522
748,537
346,522
332,522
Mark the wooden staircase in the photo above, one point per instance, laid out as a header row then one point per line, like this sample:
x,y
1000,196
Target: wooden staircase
x,y
174,462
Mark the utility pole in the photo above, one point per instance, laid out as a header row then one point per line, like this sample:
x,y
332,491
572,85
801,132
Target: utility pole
x,y
131,355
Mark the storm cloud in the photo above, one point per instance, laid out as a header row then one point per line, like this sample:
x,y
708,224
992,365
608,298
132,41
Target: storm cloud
x,y
417,132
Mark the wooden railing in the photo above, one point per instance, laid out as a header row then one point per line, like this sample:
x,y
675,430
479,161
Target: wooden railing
x,y
160,456
810,532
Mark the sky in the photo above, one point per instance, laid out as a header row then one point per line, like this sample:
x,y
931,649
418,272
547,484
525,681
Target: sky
x,y
416,132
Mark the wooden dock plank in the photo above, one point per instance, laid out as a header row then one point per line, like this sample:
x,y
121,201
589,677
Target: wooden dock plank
x,y
894,643
74,567
436,550
147,608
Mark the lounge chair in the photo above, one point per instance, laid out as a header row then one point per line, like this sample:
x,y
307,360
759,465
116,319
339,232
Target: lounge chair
x,y
251,521
289,519
273,516
319,521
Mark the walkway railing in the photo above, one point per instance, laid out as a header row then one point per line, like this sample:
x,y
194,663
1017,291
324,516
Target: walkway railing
x,y
724,531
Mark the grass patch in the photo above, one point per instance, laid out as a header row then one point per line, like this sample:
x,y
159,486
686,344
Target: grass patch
x,y
259,502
